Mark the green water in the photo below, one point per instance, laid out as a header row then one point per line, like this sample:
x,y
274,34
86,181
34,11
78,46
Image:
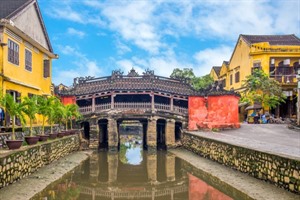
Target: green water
x,y
133,173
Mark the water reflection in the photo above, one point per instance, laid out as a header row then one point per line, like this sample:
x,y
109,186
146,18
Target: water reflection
x,y
131,148
156,177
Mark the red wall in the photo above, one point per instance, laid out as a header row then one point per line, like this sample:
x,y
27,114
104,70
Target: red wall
x,y
68,100
213,112
199,190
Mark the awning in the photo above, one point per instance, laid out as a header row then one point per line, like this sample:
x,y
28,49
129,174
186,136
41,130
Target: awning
x,y
254,107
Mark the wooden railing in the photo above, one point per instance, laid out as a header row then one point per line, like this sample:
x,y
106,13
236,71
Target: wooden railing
x,y
134,194
133,105
104,106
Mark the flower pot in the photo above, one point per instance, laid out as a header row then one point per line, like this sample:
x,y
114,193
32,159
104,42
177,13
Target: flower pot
x,y
60,134
67,133
31,140
52,135
43,138
14,144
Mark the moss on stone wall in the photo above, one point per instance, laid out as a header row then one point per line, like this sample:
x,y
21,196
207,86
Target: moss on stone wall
x,y
18,164
283,172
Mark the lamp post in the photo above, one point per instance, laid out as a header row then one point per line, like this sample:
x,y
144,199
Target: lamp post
x,y
298,99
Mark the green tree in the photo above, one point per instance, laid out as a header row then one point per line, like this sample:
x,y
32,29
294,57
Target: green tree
x,y
197,83
260,88
70,112
14,109
44,105
30,109
55,111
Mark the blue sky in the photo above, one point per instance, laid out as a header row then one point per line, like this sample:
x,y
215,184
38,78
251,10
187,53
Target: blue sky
x,y
94,37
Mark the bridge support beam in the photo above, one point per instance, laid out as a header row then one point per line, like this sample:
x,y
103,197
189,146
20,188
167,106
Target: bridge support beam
x,y
113,160
170,167
170,133
152,167
151,135
113,139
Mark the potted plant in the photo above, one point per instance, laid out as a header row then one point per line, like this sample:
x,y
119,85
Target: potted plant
x,y
30,108
14,109
54,114
43,109
73,113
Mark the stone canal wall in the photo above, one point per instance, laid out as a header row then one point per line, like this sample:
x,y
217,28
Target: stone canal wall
x,y
283,172
17,164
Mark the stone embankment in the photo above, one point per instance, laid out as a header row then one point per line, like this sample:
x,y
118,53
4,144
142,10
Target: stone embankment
x,y
281,171
17,164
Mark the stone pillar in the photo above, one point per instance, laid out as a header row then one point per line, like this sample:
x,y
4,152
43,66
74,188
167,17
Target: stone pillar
x,y
172,103
93,103
170,133
152,167
152,101
113,139
94,168
151,134
112,103
113,160
170,167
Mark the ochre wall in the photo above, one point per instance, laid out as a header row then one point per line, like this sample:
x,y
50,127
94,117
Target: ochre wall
x,y
68,100
213,112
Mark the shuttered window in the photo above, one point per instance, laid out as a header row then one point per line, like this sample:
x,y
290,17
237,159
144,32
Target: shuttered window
x,y
237,77
230,79
13,52
46,68
28,60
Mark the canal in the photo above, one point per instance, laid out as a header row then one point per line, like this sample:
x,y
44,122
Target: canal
x,y
133,173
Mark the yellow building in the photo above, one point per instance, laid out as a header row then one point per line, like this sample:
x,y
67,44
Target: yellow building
x,y
215,73
276,55
25,51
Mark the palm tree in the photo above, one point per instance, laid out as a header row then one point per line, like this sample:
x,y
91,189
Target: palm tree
x,y
43,109
55,111
70,112
14,109
30,109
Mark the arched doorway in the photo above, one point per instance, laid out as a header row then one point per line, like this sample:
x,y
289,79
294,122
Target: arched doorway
x,y
103,133
161,134
178,127
86,130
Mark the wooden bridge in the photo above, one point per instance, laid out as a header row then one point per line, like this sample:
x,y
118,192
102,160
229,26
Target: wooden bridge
x,y
159,103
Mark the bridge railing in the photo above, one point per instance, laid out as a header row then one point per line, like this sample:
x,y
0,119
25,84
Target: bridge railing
x,y
132,105
105,106
85,109
180,109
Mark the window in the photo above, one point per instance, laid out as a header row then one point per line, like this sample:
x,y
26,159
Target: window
x,y
230,79
237,77
13,52
224,82
28,60
46,68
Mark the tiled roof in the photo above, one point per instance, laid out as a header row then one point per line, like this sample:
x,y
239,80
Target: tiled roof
x,y
273,39
127,83
217,69
8,8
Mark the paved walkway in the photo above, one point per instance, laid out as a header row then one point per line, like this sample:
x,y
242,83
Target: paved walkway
x,y
270,138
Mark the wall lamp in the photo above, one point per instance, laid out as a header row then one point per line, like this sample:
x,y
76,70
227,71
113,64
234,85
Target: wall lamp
x,y
2,44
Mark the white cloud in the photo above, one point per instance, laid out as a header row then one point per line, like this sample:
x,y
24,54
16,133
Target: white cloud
x,y
210,57
81,66
75,32
122,48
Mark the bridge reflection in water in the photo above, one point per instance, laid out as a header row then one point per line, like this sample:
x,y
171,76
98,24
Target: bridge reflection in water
x,y
133,173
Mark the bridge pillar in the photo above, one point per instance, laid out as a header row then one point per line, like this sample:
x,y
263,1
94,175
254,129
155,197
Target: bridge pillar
x,y
170,133
151,135
113,139
170,167
113,160
94,168
152,167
